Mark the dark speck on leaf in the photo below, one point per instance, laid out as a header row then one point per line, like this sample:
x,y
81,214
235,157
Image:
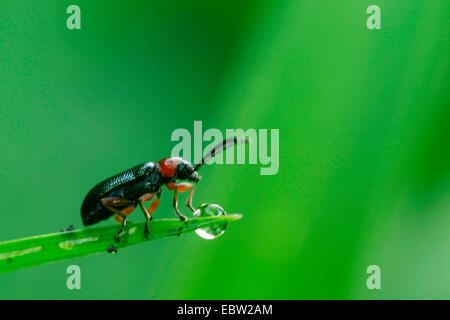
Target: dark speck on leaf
x,y
112,249
70,228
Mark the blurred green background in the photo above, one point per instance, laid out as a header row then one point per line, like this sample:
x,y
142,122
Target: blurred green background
x,y
363,115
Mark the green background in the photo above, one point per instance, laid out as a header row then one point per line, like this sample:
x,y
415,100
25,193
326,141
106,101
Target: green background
x,y
364,142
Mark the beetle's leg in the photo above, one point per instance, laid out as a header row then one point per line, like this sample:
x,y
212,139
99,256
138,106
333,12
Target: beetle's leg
x,y
182,187
185,186
111,203
126,211
151,208
175,206
122,226
189,200
154,205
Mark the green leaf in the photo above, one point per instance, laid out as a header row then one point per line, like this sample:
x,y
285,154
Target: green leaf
x,y
48,248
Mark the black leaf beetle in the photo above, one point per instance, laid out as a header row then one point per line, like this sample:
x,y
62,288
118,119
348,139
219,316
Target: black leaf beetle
x,y
121,194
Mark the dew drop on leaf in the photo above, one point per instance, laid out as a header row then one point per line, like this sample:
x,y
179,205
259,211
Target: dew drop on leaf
x,y
210,210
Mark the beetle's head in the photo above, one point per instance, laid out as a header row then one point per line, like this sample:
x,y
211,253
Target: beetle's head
x,y
174,168
185,171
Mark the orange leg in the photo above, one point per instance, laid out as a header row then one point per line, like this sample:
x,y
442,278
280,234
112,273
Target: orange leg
x,y
126,212
154,205
151,208
112,204
181,187
185,186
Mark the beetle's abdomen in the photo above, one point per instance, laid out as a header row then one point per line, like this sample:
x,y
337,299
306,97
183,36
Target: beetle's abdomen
x,y
92,211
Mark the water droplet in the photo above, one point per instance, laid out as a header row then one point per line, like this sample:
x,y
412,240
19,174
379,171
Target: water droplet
x,y
210,210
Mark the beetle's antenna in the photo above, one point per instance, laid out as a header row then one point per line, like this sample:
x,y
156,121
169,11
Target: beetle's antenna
x,y
220,147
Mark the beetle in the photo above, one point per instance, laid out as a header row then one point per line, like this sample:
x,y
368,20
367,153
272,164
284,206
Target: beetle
x,y
119,195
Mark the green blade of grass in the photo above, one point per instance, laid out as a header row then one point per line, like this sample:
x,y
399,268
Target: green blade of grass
x,y
48,248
